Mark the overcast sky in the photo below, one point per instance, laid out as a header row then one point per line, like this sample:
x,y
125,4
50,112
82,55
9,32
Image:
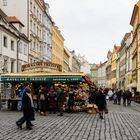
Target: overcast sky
x,y
92,27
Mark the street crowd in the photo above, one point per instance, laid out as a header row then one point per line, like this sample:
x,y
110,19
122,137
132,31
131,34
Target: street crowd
x,y
54,100
118,96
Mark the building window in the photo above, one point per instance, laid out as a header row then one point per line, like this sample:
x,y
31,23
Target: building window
x,y
31,26
31,5
5,41
139,56
12,45
25,49
31,60
4,2
20,48
34,46
12,66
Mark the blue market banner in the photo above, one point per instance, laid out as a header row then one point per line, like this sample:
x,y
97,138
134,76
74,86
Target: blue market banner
x,y
43,78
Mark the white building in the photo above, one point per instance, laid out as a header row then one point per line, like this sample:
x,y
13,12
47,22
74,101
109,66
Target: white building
x,y
102,81
85,67
13,44
47,35
128,76
31,14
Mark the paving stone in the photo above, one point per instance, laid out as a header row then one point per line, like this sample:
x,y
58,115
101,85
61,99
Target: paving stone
x,y
122,123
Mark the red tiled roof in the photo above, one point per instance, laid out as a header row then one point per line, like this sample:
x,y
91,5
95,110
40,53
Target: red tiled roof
x,y
13,19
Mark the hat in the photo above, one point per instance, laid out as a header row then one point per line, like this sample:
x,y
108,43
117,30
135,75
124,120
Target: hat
x,y
28,90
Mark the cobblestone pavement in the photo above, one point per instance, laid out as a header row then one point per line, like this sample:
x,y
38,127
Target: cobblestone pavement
x,y
122,123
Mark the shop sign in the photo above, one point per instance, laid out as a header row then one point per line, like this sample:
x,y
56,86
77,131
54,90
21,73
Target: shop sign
x,y
48,78
36,65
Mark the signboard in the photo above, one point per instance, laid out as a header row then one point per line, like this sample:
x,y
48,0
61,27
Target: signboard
x,y
48,78
42,65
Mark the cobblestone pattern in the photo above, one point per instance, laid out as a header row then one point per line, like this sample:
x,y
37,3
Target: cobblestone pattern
x,y
122,123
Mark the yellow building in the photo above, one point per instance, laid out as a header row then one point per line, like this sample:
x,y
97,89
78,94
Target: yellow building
x,y
57,46
114,66
66,66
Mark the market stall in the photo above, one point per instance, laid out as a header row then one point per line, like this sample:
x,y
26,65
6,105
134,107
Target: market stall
x,y
15,80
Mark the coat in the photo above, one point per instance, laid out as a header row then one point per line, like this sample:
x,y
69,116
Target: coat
x,y
101,101
28,111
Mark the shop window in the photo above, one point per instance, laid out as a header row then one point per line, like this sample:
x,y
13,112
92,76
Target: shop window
x,y
12,66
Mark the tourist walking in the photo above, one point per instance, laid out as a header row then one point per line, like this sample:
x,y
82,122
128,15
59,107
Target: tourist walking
x,y
128,97
124,98
101,102
28,111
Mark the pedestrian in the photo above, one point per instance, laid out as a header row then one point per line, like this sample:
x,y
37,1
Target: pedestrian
x,y
110,94
101,103
42,99
28,111
124,97
119,95
52,99
128,97
71,97
60,99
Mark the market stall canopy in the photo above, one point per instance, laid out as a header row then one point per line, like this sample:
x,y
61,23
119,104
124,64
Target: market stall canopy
x,y
42,76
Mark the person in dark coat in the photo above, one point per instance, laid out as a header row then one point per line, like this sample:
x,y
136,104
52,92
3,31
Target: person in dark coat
x,y
124,97
71,97
60,99
119,95
101,102
28,111
42,99
128,97
52,99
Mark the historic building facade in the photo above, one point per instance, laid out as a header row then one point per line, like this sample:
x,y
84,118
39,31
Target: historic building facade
x,y
102,75
135,21
66,60
75,64
114,66
57,46
34,18
94,73
13,44
108,69
47,35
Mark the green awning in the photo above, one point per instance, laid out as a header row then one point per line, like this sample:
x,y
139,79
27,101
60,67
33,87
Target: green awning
x,y
41,78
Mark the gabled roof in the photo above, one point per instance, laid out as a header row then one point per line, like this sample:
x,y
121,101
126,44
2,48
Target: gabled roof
x,y
13,19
